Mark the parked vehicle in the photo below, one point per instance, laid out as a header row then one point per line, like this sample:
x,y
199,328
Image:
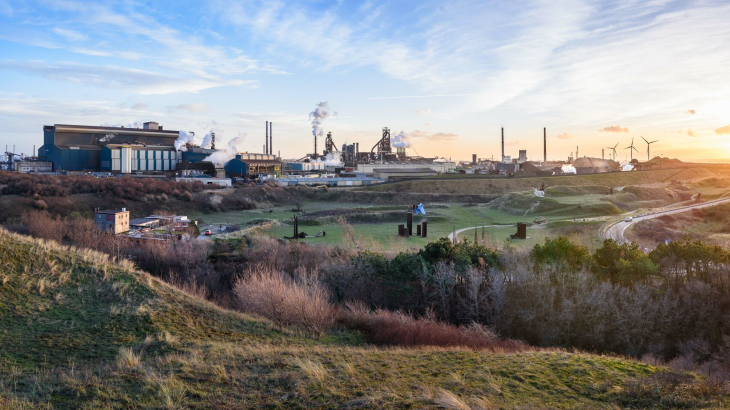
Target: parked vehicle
x,y
628,219
208,232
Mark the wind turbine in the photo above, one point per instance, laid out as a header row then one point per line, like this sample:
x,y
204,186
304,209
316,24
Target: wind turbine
x,y
614,150
648,145
632,149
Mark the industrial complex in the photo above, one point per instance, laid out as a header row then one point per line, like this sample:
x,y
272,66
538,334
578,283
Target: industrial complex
x,y
152,151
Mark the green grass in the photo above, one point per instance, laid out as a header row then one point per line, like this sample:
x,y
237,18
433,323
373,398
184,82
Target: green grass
x,y
503,185
81,332
442,220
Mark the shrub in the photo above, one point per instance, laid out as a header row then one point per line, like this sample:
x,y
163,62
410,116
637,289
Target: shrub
x,y
561,252
303,304
386,327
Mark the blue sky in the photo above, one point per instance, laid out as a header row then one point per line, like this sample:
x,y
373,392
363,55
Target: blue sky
x,y
448,74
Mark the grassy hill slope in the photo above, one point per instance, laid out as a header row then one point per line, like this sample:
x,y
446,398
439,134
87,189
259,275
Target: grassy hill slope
x,y
502,185
77,331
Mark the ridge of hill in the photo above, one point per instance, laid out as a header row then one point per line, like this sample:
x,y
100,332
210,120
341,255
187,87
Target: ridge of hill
x,y
476,185
78,330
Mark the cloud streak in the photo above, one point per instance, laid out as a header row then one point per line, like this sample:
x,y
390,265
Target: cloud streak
x,y
141,81
614,128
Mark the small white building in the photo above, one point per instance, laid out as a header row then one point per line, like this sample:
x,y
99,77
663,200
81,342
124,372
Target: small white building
x,y
32,166
224,182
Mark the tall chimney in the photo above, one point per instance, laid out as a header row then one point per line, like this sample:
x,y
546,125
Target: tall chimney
x,y
266,140
576,152
502,144
603,153
271,138
544,143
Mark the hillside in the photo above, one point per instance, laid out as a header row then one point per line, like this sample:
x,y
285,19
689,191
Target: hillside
x,y
501,185
78,331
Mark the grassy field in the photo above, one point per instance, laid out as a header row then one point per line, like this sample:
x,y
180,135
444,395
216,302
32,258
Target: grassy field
x,y
80,332
374,227
502,185
382,234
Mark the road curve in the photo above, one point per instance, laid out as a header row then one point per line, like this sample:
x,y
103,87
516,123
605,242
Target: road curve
x,y
458,231
617,230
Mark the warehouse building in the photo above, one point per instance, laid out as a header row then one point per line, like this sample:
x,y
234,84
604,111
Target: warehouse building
x,y
392,174
113,149
27,167
246,165
440,167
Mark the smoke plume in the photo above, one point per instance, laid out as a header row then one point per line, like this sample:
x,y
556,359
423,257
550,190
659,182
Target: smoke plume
x,y
207,141
221,157
321,113
568,169
183,138
400,140
333,159
625,167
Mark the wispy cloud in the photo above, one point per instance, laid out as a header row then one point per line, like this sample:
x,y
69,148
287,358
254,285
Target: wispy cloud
x,y
435,137
427,111
565,136
143,82
691,133
182,56
690,112
614,128
723,130
70,34
193,108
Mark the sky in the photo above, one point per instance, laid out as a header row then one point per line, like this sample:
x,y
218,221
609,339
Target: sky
x,y
449,75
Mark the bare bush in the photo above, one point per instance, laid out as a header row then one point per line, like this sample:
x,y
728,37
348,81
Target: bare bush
x,y
386,327
303,304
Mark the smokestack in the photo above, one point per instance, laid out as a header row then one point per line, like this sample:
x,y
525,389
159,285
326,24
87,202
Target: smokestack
x,y
544,143
271,138
502,144
266,145
576,152
474,159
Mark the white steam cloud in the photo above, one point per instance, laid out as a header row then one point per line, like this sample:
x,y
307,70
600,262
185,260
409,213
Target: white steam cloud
x,y
568,169
321,113
183,138
625,167
333,159
221,157
207,141
400,140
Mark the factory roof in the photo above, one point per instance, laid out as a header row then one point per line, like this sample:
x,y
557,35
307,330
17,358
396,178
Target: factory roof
x,y
90,128
142,221
257,161
112,211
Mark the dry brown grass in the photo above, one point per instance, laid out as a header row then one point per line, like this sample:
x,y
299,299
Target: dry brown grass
x,y
385,327
303,304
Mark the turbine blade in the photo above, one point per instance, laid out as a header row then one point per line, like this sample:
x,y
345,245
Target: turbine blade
x,y
645,140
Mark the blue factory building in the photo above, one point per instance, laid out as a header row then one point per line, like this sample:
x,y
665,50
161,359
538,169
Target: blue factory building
x,y
79,148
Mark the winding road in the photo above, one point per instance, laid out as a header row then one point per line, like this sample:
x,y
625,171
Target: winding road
x,y
617,230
